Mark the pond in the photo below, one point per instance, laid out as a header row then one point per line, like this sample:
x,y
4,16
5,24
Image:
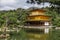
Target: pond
x,y
23,35
35,36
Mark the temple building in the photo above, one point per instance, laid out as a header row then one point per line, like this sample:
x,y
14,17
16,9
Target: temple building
x,y
37,19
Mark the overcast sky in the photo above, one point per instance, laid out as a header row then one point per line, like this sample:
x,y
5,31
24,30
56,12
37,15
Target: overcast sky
x,y
14,4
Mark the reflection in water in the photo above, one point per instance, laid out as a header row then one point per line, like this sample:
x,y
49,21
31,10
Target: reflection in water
x,y
31,35
37,36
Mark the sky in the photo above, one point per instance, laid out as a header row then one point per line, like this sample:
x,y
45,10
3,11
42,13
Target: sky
x,y
14,4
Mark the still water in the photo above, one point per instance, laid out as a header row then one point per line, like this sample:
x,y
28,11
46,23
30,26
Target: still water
x,y
35,36
28,36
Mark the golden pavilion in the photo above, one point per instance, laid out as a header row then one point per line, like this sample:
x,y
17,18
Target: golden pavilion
x,y
38,19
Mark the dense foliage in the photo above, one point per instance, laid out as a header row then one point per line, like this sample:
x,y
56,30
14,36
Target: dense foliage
x,y
55,17
13,18
42,1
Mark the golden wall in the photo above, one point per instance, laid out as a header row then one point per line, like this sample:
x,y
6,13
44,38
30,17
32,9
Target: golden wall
x,y
36,18
36,13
